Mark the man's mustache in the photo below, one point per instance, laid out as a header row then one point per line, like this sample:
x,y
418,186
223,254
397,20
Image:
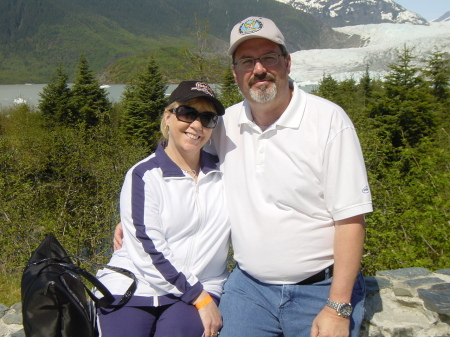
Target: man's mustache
x,y
261,77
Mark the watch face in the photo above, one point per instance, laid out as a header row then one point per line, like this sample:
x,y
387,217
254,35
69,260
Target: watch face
x,y
345,310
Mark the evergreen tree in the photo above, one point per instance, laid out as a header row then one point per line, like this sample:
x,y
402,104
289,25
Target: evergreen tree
x,y
365,84
229,91
88,99
144,102
328,88
406,112
403,76
438,74
55,100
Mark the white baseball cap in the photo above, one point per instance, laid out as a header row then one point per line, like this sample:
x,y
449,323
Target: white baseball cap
x,y
254,27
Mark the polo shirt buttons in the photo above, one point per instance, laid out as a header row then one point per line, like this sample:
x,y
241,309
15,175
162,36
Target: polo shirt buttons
x,y
261,152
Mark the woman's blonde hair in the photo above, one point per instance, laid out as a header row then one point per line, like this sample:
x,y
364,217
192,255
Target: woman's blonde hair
x,y
198,103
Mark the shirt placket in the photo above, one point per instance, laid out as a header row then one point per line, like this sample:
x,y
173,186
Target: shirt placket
x,y
261,152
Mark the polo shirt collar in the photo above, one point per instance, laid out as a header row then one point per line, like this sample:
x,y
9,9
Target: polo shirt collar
x,y
290,118
208,162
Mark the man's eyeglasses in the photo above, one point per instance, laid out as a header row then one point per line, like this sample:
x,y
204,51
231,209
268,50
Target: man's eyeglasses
x,y
248,63
188,114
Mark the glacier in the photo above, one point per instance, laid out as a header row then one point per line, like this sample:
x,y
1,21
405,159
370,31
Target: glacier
x,y
380,44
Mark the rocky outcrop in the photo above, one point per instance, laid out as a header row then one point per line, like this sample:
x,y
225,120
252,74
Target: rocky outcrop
x,y
11,321
412,302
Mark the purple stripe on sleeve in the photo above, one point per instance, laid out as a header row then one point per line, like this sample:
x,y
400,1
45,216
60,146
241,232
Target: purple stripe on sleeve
x,y
163,265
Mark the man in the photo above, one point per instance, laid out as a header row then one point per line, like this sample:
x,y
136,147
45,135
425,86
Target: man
x,y
297,192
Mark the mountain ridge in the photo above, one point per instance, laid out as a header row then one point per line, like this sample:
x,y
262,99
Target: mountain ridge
x,y
118,36
443,18
37,36
339,13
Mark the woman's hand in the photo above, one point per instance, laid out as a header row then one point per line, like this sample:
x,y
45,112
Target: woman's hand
x,y
118,236
210,316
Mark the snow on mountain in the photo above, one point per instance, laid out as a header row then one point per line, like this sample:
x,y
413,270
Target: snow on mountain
x,y
380,46
338,13
443,18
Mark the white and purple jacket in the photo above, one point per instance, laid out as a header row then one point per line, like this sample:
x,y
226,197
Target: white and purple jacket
x,y
176,232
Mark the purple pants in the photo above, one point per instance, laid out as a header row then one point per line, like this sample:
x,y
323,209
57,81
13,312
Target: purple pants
x,y
174,320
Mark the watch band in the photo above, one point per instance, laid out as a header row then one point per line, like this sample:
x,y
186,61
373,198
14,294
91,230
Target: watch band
x,y
342,309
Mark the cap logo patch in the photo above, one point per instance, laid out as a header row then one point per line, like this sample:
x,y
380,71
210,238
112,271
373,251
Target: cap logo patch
x,y
250,27
203,87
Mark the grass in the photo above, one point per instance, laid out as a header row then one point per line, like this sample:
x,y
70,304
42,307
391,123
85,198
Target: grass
x,y
10,289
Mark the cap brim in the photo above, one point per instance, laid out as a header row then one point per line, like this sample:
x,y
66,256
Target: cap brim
x,y
220,109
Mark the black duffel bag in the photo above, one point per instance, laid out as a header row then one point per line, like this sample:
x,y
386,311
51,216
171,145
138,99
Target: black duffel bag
x,y
54,301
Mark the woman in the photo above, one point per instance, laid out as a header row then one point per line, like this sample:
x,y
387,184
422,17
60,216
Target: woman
x,y
176,229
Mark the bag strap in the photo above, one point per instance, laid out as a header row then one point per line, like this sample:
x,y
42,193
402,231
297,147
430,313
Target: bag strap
x,y
75,271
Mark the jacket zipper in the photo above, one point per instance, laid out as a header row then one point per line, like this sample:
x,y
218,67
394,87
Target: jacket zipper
x,y
200,217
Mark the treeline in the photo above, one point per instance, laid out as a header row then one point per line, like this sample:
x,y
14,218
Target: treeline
x,y
62,163
403,123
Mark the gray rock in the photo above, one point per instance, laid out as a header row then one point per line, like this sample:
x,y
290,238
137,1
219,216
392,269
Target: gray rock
x,y
425,281
12,317
374,284
437,298
443,271
404,274
3,330
20,333
3,309
17,307
402,332
402,291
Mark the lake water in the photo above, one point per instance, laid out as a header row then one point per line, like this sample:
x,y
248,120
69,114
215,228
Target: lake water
x,y
11,94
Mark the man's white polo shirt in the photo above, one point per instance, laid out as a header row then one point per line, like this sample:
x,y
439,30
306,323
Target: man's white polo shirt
x,y
287,185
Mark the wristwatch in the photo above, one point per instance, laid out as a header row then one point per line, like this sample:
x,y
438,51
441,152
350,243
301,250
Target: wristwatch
x,y
343,309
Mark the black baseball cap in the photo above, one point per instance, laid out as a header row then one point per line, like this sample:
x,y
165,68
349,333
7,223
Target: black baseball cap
x,y
187,90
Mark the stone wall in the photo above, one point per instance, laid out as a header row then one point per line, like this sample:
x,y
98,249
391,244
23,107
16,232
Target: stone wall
x,y
412,302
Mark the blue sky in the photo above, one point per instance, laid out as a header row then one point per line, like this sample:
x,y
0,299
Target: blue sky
x,y
429,9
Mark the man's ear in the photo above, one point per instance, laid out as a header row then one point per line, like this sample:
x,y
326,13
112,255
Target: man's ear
x,y
288,63
234,74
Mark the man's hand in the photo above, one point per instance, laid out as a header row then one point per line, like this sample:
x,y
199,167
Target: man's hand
x,y
118,236
329,324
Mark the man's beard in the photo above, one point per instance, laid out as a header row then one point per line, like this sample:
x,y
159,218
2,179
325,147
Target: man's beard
x,y
263,93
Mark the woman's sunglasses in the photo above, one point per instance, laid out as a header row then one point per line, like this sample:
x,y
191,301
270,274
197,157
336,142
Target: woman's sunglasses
x,y
188,114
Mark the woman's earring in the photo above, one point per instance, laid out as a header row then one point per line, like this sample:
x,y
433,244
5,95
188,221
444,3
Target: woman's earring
x,y
209,142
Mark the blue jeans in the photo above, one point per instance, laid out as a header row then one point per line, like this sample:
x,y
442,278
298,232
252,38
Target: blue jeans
x,y
251,308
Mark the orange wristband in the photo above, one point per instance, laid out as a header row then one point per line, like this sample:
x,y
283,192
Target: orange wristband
x,y
203,302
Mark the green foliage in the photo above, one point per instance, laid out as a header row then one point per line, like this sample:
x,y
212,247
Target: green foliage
x,y
438,74
201,62
61,177
405,111
36,35
229,91
143,104
55,100
88,100
64,180
407,157
86,104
